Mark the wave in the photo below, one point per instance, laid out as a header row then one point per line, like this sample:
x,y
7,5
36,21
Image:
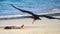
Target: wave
x,y
23,16
10,17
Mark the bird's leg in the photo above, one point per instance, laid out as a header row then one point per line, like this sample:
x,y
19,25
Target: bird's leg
x,y
33,21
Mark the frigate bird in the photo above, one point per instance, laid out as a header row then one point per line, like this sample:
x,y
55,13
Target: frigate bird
x,y
34,16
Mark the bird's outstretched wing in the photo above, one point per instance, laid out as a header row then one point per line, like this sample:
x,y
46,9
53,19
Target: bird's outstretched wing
x,y
49,17
23,17
22,10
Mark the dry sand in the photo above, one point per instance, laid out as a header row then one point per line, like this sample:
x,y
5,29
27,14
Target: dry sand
x,y
31,31
44,26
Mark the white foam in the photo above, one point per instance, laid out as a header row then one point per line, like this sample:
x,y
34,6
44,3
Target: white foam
x,y
11,16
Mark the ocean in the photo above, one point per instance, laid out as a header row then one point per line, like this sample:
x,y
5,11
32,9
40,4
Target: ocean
x,y
35,6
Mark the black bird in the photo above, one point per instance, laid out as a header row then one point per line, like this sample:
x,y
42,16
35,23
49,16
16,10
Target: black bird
x,y
34,16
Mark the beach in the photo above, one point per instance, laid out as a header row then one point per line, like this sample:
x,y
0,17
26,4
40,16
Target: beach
x,y
44,26
31,31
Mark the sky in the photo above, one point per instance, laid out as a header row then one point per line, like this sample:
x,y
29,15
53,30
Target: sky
x,y
35,6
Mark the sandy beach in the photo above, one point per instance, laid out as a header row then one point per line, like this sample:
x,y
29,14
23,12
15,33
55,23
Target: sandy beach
x,y
31,31
44,26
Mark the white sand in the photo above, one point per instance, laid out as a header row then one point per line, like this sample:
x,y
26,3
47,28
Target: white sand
x,y
44,26
31,31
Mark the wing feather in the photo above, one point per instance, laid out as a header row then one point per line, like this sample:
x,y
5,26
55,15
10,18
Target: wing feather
x,y
22,10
